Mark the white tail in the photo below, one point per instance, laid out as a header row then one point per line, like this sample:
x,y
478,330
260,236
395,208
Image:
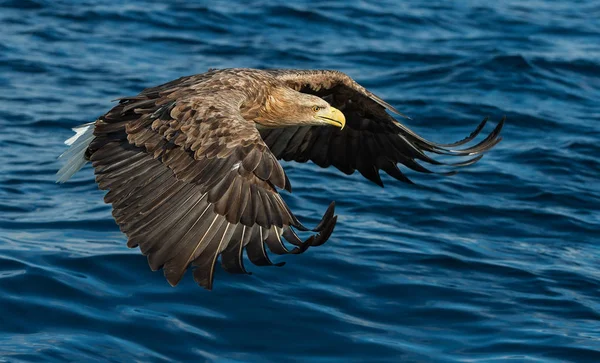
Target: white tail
x,y
75,155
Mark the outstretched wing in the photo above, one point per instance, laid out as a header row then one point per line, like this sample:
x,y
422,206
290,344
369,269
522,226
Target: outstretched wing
x,y
372,139
189,179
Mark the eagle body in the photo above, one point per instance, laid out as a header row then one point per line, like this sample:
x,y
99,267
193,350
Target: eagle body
x,y
192,166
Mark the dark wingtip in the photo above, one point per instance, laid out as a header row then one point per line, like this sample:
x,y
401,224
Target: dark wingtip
x,y
394,110
208,286
288,184
173,281
402,115
324,235
502,121
386,105
326,217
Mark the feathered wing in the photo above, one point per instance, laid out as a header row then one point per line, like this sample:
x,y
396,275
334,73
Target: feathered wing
x,y
189,179
372,139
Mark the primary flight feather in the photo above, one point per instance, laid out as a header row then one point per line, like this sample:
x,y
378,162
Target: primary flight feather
x,y
191,166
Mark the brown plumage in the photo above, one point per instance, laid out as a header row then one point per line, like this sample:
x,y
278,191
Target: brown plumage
x,y
191,166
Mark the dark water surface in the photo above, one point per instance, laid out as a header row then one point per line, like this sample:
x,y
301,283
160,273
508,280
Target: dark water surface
x,y
499,262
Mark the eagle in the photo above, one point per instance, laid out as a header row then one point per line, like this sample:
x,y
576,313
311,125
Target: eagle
x,y
192,166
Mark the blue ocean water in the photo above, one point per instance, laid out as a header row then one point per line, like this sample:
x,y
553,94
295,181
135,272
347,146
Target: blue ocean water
x,y
500,262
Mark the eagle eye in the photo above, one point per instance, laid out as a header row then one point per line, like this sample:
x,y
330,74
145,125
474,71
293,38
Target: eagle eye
x,y
317,108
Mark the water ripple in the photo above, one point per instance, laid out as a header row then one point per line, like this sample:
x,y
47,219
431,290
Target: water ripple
x,y
495,263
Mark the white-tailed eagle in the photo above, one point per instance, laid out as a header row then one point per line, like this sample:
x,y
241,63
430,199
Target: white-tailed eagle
x,y
192,171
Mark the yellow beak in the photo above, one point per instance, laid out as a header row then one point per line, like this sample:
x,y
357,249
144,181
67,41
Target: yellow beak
x,y
332,116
